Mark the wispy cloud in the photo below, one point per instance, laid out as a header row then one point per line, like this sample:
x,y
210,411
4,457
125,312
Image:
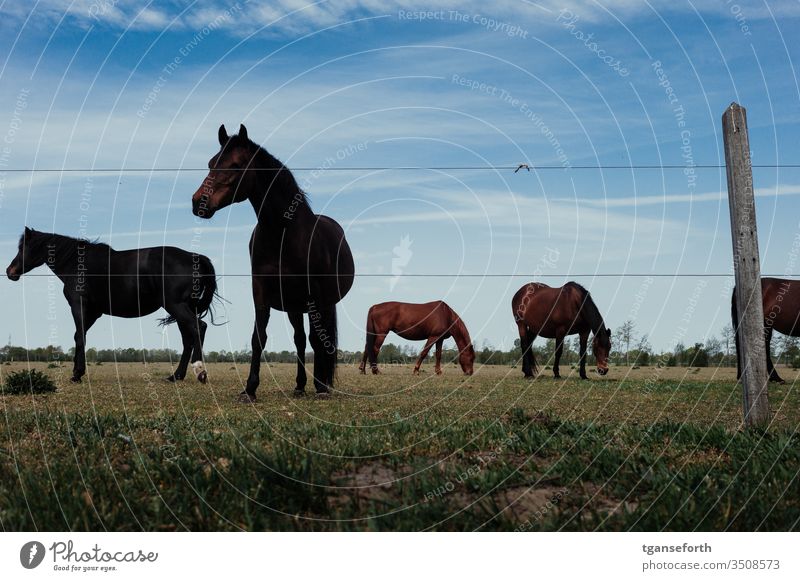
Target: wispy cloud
x,y
244,17
638,201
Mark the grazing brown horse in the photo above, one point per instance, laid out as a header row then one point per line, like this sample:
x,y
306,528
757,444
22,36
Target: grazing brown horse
x,y
543,311
781,300
434,321
300,261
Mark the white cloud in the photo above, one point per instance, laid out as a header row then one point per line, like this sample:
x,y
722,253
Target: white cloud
x,y
295,16
637,201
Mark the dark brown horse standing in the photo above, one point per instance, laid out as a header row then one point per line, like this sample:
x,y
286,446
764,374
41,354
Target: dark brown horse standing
x,y
543,311
300,261
781,300
99,280
434,321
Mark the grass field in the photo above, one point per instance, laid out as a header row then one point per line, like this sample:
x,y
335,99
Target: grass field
x,y
644,449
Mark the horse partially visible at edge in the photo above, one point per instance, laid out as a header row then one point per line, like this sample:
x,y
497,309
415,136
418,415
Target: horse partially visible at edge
x,y
543,311
434,322
781,301
300,261
99,280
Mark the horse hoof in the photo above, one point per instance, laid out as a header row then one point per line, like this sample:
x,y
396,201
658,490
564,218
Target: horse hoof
x,y
75,379
297,392
439,372
528,377
200,371
245,397
322,395
173,378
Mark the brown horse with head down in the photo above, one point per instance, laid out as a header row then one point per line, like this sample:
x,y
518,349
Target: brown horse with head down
x,y
300,260
543,311
781,300
434,321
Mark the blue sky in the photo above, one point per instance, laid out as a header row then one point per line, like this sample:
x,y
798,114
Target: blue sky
x,y
371,83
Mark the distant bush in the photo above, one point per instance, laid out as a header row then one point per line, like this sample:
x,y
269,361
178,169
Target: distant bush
x,y
28,381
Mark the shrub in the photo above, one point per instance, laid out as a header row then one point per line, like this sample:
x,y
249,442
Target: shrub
x,y
28,381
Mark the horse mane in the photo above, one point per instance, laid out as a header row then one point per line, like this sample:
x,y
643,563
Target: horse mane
x,y
589,308
60,242
461,329
281,179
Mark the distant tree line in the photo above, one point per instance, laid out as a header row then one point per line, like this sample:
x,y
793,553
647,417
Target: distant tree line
x,y
629,349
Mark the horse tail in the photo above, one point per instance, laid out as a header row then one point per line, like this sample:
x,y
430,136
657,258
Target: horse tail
x,y
208,278
370,345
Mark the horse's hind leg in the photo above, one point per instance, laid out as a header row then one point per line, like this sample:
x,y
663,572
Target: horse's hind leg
x,y
526,347
373,353
773,374
188,323
322,334
296,319
183,363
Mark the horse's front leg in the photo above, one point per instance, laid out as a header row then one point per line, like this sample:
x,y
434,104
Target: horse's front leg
x,y
438,367
584,340
84,318
424,353
559,351
258,344
296,319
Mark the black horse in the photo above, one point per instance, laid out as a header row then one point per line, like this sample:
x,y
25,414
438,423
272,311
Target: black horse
x,y
300,261
99,280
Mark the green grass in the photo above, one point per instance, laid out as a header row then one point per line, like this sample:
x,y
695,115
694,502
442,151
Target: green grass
x,y
646,450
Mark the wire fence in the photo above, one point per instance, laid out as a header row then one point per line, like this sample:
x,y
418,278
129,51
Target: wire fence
x,y
516,168
496,168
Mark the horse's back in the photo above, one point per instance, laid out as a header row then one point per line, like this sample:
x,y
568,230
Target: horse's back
x,y
412,321
141,280
545,309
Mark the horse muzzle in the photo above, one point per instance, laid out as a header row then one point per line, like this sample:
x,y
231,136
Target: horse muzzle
x,y
201,209
602,370
12,274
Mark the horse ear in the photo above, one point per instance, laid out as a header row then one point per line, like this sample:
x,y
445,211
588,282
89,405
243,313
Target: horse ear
x,y
222,135
242,131
608,330
27,230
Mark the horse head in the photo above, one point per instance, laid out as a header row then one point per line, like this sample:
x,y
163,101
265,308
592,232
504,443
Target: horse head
x,y
30,255
601,347
467,359
230,177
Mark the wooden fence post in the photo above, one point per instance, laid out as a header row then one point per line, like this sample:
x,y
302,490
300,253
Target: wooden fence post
x,y
746,266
